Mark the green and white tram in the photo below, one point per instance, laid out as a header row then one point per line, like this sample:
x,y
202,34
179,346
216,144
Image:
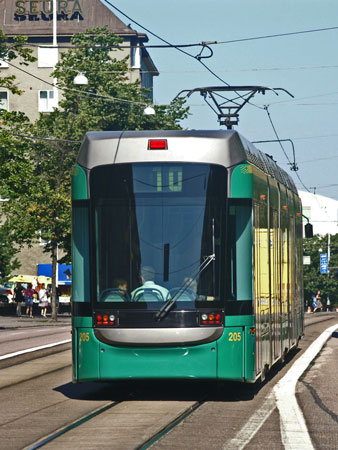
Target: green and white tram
x,y
187,257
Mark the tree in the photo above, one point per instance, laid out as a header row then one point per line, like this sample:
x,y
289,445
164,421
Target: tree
x,y
108,102
10,171
313,279
10,51
16,173
7,253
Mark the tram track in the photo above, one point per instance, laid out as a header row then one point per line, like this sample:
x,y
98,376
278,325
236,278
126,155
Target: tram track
x,y
170,426
43,441
132,406
51,437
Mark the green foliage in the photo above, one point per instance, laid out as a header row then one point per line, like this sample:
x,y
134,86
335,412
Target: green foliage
x,y
96,106
313,279
8,262
109,101
11,51
36,173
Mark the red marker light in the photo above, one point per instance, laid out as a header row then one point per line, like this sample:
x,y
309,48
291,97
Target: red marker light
x,y
157,144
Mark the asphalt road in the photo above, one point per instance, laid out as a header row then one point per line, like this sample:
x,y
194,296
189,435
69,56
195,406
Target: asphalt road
x,y
37,398
12,341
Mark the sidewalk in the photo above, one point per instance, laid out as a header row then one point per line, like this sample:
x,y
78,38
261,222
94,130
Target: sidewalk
x,y
37,321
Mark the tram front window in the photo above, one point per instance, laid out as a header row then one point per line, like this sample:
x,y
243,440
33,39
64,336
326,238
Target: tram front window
x,y
157,226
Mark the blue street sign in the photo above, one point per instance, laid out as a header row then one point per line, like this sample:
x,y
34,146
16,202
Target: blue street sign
x,y
323,263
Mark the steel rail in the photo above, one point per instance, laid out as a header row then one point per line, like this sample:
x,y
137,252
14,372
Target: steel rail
x,y
63,430
149,442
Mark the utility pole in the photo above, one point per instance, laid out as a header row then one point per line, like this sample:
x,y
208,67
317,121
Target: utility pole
x,y
56,56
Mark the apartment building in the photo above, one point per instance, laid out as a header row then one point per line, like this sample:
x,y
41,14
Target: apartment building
x,y
34,19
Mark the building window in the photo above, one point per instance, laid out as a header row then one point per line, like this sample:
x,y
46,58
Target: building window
x,y
47,57
47,101
4,100
135,57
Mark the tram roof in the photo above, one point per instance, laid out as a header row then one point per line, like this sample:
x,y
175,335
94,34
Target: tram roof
x,y
224,147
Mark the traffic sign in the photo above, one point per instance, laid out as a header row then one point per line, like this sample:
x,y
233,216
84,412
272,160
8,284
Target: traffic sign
x,y
323,263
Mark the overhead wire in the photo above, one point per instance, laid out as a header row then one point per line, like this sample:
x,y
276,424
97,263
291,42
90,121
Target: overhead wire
x,y
223,42
280,143
167,42
269,36
199,58
180,46
82,92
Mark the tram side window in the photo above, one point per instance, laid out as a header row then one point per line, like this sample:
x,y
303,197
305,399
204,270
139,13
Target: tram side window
x,y
239,273
80,251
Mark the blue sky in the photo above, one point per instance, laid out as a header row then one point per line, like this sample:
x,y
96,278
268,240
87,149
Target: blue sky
x,y
304,64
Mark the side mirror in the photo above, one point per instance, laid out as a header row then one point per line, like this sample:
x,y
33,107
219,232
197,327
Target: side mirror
x,y
308,230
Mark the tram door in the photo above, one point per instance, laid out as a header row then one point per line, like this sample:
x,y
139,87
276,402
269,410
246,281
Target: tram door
x,y
292,279
284,280
275,282
262,288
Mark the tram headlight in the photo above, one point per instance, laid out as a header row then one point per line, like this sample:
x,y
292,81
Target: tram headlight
x,y
112,318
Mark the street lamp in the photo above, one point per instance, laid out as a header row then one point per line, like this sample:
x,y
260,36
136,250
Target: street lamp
x,y
80,79
149,111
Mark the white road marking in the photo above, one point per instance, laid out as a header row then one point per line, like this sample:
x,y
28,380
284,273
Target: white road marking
x,y
246,434
295,435
34,349
17,332
294,432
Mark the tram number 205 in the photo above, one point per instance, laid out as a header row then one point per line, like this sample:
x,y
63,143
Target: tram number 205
x,y
84,337
235,336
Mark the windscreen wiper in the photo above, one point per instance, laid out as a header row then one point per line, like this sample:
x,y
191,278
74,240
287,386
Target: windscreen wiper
x,y
168,305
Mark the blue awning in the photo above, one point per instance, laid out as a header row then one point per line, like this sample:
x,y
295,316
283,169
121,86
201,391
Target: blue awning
x,y
64,272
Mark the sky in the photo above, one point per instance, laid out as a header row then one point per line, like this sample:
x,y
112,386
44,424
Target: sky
x,y
304,64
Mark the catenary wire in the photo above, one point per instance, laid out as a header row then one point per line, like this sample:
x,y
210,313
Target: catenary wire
x,y
180,46
196,44
278,138
167,42
103,97
269,36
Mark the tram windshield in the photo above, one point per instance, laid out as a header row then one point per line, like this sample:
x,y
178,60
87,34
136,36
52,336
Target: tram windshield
x,y
158,234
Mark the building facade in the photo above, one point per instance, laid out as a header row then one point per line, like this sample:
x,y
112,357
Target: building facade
x,y
34,19
321,211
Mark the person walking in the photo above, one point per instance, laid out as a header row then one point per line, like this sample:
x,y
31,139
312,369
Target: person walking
x,y
29,300
43,300
328,304
318,305
19,298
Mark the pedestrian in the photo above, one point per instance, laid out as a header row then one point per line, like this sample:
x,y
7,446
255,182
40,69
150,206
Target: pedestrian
x,y
328,304
29,300
43,304
318,306
19,298
34,284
